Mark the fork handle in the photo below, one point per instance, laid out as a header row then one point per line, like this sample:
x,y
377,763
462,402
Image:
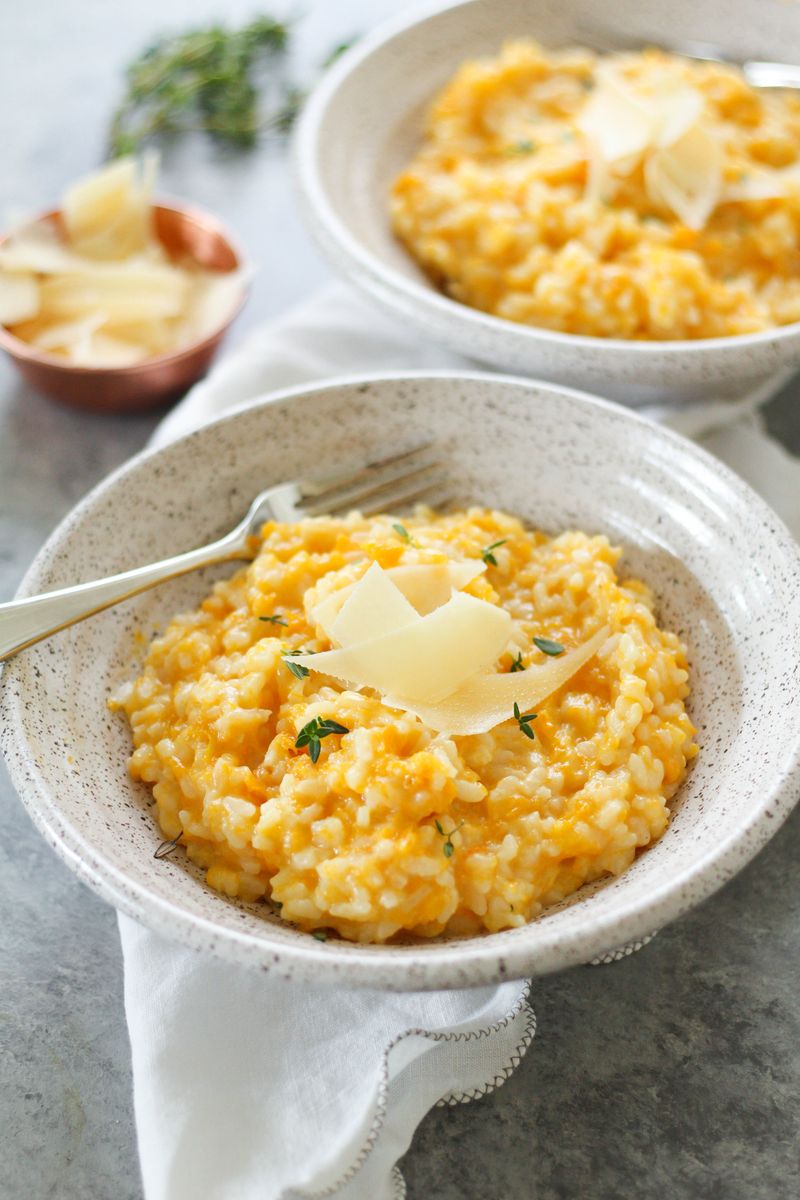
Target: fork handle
x,y
24,622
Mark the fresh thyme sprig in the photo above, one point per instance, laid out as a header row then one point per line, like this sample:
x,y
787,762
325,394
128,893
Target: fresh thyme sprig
x,y
523,720
202,79
448,847
548,647
275,619
311,735
209,80
487,555
297,669
401,531
517,664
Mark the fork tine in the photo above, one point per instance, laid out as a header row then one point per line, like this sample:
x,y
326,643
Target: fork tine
x,y
432,493
325,488
374,489
611,42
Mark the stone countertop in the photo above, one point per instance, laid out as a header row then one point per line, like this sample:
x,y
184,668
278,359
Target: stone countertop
x,y
671,1074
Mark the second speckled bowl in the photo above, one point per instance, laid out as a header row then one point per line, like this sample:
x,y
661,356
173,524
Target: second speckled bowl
x,y
363,122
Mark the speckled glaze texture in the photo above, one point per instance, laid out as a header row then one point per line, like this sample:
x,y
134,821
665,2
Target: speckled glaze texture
x,y
365,119
723,567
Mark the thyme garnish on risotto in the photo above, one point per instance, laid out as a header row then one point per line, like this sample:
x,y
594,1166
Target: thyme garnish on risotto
x,y
523,720
275,619
517,664
311,735
448,847
548,647
297,669
486,552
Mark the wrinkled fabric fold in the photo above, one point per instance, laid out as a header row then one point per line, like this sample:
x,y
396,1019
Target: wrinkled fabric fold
x,y
247,1087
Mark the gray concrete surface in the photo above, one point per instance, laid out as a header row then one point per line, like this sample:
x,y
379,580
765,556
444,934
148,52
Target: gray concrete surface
x,y
671,1076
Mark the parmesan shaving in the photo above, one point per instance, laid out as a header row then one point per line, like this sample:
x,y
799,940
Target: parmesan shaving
x,y
37,248
661,129
427,659
101,350
425,585
19,298
108,214
677,110
132,294
68,333
374,607
484,701
616,121
324,614
429,585
762,185
686,177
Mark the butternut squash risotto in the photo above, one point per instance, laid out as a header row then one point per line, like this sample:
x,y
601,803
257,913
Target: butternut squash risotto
x,y
351,813
632,196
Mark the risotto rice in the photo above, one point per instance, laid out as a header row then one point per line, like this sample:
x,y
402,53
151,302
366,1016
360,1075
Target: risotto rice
x,y
397,829
495,205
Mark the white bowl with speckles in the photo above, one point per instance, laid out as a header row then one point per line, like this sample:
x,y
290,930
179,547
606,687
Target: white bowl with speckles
x,y
723,567
364,120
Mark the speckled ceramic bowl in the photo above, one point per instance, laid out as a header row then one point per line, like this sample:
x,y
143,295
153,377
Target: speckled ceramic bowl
x,y
723,567
364,121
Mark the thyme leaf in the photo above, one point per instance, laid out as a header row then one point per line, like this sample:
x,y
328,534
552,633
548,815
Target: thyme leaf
x,y
314,731
548,647
297,669
275,619
448,847
202,79
211,80
517,664
523,720
487,555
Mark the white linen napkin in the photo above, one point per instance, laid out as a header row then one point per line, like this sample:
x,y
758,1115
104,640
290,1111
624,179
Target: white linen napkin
x,y
250,1088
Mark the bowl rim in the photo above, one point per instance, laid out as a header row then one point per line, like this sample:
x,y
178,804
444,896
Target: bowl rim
x,y
16,348
428,965
395,287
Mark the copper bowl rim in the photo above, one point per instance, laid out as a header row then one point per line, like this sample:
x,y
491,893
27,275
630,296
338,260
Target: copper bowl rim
x,y
17,348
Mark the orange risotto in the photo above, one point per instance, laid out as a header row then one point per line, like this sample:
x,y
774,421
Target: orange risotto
x,y
630,196
397,828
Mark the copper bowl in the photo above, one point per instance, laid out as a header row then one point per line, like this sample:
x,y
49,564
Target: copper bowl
x,y
184,233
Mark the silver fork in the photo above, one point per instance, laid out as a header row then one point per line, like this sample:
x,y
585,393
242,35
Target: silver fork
x,y
757,74
384,486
